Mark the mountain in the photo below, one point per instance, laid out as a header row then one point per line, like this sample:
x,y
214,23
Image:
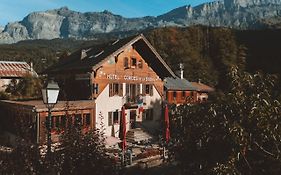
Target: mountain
x,y
239,14
65,23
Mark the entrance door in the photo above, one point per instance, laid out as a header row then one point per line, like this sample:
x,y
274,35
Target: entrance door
x,y
133,115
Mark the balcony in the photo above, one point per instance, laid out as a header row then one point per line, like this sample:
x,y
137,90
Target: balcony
x,y
131,102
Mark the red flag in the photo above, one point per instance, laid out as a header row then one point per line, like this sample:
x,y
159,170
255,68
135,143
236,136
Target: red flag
x,y
167,124
124,128
140,109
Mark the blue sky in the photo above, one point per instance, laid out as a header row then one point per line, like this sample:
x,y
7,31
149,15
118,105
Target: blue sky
x,y
15,10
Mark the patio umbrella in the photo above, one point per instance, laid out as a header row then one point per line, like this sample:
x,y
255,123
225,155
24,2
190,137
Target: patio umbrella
x,y
167,124
122,131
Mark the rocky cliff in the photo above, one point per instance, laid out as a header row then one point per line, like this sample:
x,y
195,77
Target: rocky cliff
x,y
239,14
65,23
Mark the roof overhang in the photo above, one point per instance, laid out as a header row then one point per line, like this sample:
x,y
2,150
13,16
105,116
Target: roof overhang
x,y
139,42
148,53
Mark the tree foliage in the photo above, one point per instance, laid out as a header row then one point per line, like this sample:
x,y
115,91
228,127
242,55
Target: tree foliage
x,y
82,154
207,53
27,87
77,154
238,133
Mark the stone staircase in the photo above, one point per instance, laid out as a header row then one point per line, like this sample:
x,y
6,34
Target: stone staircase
x,y
137,135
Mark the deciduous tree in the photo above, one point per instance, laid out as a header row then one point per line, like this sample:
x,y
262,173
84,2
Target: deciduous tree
x,y
237,134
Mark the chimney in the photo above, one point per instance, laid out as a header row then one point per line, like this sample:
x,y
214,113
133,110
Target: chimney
x,y
181,70
199,80
31,69
83,54
31,66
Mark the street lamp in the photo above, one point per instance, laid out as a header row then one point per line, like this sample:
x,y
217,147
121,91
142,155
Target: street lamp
x,y
50,94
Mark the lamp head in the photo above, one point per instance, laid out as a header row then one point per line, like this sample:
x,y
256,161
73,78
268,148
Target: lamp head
x,y
50,93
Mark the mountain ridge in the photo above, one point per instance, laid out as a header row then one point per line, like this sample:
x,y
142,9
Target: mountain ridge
x,y
65,23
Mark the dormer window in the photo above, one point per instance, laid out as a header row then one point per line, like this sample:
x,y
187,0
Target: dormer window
x,y
140,64
126,63
133,63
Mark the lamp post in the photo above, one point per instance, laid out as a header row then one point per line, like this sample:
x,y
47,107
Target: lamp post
x,y
50,94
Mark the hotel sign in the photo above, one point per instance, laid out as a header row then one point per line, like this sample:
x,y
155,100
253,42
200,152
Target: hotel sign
x,y
129,78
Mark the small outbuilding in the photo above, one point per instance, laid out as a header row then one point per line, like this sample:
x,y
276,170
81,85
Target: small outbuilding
x,y
16,70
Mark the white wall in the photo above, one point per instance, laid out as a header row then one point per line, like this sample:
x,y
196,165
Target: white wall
x,y
154,102
105,104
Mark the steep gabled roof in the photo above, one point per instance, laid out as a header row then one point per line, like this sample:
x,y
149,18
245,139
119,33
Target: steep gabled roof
x,y
91,58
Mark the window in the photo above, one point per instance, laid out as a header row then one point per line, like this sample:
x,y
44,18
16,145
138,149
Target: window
x,y
53,121
116,117
132,91
148,89
113,118
128,89
183,95
115,89
95,88
151,90
175,94
110,120
86,119
63,121
57,123
140,65
120,93
78,120
126,63
133,63
138,90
